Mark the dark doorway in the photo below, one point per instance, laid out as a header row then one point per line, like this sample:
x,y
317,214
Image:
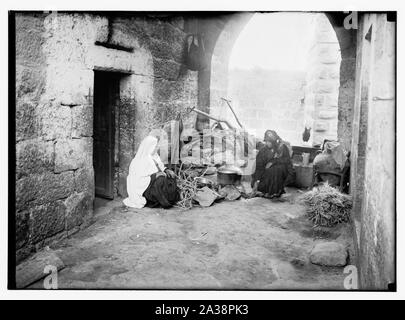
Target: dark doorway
x,y
106,98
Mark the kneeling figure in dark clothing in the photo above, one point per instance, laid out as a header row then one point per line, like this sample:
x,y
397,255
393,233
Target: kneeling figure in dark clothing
x,y
273,167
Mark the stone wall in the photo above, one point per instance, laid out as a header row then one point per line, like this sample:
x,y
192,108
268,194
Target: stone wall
x,y
265,99
347,42
56,57
322,82
373,150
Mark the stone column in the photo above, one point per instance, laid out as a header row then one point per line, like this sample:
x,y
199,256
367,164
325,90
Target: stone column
x,y
322,89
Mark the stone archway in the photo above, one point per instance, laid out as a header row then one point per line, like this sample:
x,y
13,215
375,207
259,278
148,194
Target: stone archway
x,y
220,58
225,39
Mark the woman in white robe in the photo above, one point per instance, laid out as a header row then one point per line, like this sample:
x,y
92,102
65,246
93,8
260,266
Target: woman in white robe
x,y
145,163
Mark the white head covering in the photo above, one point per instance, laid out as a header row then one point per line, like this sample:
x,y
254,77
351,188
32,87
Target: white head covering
x,y
145,163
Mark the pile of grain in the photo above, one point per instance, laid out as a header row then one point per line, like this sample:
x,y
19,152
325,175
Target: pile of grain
x,y
326,206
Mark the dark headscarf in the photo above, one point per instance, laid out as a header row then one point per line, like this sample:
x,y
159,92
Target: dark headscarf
x,y
276,141
272,136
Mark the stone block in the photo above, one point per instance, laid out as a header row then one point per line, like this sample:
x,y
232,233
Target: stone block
x,y
23,253
29,39
329,55
325,72
54,121
164,31
26,125
330,254
122,185
324,86
334,73
102,31
160,49
84,180
127,134
71,154
82,121
30,81
124,34
140,61
125,160
324,114
79,208
331,100
321,126
69,84
166,69
168,51
46,220
22,229
319,100
34,156
205,197
168,91
38,189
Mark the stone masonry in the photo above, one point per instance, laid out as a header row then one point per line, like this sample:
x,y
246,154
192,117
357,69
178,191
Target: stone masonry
x,y
56,55
322,82
267,99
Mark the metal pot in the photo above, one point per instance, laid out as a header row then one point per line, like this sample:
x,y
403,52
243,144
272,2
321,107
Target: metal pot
x,y
203,182
229,175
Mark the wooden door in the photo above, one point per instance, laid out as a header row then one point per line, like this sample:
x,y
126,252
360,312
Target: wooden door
x,y
106,95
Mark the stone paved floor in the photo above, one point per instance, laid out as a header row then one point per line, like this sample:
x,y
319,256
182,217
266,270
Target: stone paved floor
x,y
245,244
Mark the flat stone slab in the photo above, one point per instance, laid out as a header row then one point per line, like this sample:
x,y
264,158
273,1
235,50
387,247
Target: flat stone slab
x,y
205,197
331,254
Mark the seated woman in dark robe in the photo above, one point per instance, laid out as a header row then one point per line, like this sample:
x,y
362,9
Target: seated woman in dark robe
x,y
162,190
273,166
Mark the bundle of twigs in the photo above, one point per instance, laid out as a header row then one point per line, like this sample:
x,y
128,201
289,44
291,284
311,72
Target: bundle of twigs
x,y
187,185
327,206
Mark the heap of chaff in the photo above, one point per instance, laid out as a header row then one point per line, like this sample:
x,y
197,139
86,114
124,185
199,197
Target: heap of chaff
x,y
326,206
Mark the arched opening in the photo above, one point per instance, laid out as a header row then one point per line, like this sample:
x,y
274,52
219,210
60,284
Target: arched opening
x,y
286,81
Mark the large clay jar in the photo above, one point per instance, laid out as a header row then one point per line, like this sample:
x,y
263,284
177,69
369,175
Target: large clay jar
x,y
325,166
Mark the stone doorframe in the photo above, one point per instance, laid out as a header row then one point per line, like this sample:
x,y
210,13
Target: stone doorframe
x,y
135,89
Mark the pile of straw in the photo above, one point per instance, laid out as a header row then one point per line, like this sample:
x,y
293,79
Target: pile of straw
x,y
326,206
